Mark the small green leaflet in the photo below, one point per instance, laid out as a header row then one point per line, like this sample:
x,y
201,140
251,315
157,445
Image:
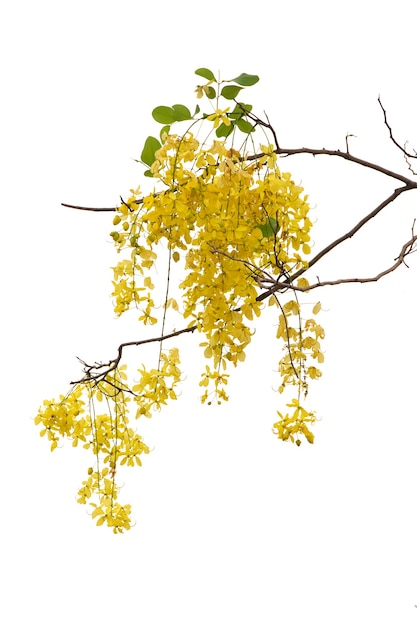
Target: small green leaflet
x,y
223,130
168,115
246,80
205,73
244,126
163,115
240,109
164,129
270,228
181,112
148,153
230,91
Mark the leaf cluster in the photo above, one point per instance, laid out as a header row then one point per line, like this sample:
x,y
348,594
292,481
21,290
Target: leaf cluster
x,y
213,90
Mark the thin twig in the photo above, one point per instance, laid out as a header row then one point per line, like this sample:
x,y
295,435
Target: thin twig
x,y
91,371
408,248
341,239
87,208
394,141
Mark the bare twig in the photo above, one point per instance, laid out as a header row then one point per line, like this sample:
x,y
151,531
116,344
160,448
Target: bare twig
x,y
357,227
408,248
402,148
285,152
340,240
102,209
407,155
99,371
87,208
347,141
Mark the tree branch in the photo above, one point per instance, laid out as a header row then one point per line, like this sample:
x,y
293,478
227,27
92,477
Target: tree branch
x,y
86,208
408,248
92,371
340,240
407,154
356,228
285,152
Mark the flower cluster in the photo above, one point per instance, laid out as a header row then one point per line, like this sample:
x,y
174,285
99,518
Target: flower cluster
x,y
236,223
108,436
237,226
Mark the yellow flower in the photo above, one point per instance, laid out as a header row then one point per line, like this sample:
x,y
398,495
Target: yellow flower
x,y
219,117
202,90
238,224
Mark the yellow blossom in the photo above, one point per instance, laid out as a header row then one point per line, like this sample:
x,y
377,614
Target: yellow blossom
x,y
219,116
237,226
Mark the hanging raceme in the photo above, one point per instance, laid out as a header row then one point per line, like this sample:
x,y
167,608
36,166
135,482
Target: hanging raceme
x,y
222,211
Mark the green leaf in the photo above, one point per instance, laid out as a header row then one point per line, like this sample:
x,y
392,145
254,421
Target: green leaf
x,y
197,110
244,126
230,91
223,130
181,112
148,153
270,228
211,93
205,73
164,115
245,108
246,79
240,110
148,173
164,129
236,113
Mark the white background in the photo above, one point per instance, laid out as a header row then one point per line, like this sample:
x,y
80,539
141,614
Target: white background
x,y
232,526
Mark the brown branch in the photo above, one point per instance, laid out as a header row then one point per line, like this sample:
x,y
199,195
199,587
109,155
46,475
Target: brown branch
x,y
343,155
285,152
394,141
347,141
86,208
408,248
356,228
91,371
340,240
102,209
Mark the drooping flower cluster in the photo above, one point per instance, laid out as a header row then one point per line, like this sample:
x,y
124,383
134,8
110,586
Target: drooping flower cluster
x,y
108,435
238,227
